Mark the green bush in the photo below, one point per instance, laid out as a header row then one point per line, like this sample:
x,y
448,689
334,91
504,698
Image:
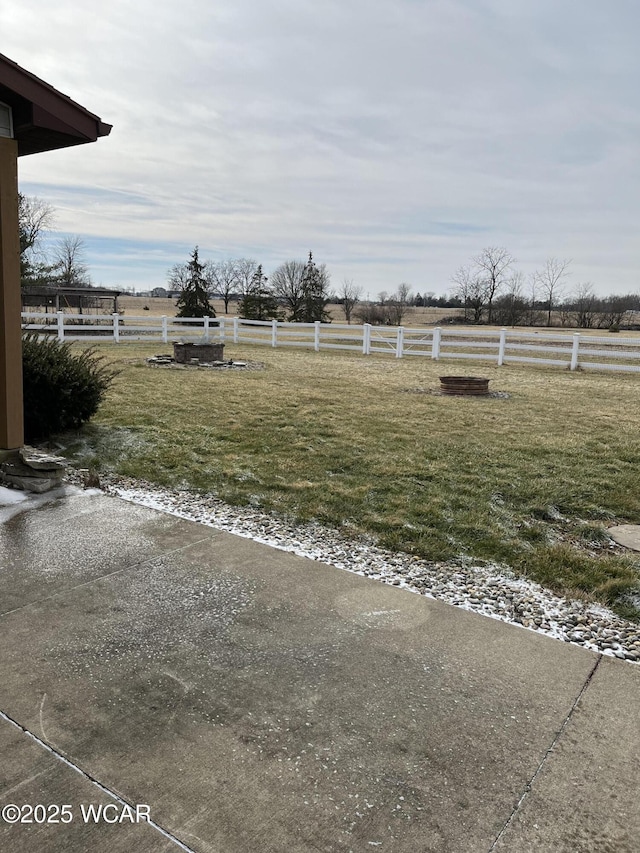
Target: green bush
x,y
62,389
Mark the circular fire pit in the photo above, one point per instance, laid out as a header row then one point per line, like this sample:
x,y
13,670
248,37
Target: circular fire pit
x,y
186,352
463,386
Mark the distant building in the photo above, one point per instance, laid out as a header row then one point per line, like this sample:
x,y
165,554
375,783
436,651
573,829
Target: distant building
x,y
70,299
160,292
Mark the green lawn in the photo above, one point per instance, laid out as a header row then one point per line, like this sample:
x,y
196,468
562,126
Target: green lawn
x,y
530,481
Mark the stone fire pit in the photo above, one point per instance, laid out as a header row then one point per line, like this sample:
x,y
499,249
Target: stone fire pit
x,y
184,353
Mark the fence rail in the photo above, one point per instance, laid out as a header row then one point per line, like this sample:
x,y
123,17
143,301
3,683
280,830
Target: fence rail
x,y
500,347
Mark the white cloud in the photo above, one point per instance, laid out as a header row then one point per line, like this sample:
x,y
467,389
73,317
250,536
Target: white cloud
x,y
353,128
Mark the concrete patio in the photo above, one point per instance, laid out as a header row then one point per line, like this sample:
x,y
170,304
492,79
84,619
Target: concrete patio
x,y
260,701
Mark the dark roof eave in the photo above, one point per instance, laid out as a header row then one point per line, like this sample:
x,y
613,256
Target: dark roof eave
x,y
44,118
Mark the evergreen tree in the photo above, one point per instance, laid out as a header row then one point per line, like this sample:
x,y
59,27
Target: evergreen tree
x,y
259,303
314,294
194,298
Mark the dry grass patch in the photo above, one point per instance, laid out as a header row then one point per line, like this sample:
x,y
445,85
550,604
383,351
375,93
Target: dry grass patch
x,y
531,481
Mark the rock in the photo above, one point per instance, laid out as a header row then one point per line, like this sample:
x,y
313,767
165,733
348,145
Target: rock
x,y
627,535
41,461
14,468
30,484
33,470
90,478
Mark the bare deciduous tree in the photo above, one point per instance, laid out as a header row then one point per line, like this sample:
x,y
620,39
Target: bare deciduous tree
x,y
371,312
550,281
493,264
510,307
613,308
397,304
585,304
533,317
349,295
287,284
222,278
178,276
403,292
35,217
470,289
479,284
246,269
69,263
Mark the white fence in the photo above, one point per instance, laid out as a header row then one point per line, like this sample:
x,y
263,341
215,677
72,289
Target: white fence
x,y
503,346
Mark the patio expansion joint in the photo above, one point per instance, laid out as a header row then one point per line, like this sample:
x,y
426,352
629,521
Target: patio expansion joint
x,y
132,567
557,736
93,781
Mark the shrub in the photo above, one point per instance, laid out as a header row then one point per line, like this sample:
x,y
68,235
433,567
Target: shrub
x,y
62,389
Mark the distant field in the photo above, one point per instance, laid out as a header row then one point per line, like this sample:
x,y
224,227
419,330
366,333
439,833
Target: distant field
x,y
134,306
531,480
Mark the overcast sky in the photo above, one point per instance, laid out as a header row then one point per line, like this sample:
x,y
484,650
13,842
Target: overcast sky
x,y
394,138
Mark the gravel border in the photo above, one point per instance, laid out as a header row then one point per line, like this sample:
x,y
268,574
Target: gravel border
x,y
490,590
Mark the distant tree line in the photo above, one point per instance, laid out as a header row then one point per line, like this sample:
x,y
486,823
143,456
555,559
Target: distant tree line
x,y
490,290
296,291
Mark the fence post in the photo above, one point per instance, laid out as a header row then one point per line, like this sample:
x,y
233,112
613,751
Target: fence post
x,y
501,348
116,327
221,328
60,325
316,336
274,333
399,341
235,330
435,343
165,330
206,329
574,351
366,339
